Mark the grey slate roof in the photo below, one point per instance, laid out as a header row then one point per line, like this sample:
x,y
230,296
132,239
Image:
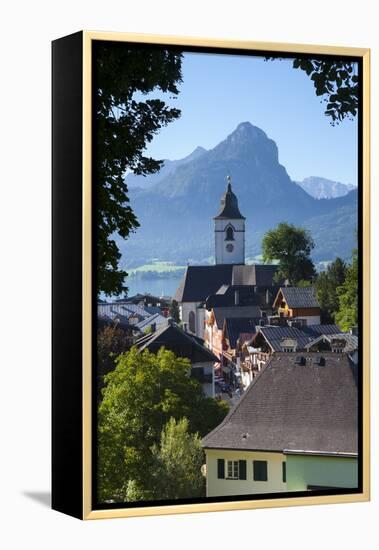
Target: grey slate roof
x,y
293,407
125,309
183,344
274,335
156,319
201,281
229,206
257,275
298,297
221,313
117,321
351,340
247,296
234,327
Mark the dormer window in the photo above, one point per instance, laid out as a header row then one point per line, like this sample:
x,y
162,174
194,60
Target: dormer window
x,y
229,234
288,345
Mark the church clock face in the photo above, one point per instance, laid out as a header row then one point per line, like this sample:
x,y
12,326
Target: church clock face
x,y
229,247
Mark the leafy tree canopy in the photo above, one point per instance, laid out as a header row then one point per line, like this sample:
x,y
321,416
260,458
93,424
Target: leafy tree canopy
x,y
347,315
291,246
111,342
141,395
127,118
179,459
327,284
337,82
177,463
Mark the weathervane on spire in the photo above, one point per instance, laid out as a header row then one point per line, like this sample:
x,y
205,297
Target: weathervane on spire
x,y
229,180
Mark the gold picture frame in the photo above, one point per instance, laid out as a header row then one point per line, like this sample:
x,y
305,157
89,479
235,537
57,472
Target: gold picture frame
x,y
84,509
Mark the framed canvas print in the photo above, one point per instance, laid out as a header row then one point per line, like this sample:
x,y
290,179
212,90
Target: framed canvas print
x,y
210,275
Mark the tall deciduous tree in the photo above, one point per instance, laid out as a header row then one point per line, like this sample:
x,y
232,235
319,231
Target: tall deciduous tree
x,y
347,316
179,460
126,119
327,284
141,395
291,247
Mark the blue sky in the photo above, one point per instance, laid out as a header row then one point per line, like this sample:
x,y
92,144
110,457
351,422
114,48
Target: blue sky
x,y
220,91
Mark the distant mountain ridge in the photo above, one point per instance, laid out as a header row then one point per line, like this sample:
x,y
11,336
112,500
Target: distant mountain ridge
x,y
168,167
176,211
322,188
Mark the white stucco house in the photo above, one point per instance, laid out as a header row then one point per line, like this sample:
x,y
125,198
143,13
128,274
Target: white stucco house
x,y
294,429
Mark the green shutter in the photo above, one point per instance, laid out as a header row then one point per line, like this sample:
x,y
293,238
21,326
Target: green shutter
x,y
221,468
242,469
284,472
260,470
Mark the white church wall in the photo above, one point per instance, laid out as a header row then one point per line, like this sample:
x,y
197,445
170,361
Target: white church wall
x,y
200,322
185,309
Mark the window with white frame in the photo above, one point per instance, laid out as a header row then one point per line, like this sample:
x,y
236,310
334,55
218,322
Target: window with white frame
x,y
232,469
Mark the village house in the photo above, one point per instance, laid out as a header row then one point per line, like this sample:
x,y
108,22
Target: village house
x,y
148,300
298,303
185,345
128,315
256,352
235,332
229,282
214,324
294,429
343,342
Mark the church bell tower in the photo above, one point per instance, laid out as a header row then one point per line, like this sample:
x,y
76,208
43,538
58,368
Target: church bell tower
x,y
229,230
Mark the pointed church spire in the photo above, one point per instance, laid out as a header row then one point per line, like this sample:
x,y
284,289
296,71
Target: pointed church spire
x,y
229,230
229,180
229,204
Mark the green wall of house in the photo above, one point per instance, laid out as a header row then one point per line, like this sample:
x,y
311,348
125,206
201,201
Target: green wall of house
x,y
303,471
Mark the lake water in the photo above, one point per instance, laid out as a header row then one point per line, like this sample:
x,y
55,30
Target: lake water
x,y
153,285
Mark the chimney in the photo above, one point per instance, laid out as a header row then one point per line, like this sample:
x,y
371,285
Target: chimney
x,y
354,331
237,297
153,327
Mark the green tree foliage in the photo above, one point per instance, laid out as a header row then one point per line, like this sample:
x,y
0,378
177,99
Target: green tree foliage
x,y
327,284
304,283
347,315
174,311
291,246
111,342
336,82
126,121
179,459
141,395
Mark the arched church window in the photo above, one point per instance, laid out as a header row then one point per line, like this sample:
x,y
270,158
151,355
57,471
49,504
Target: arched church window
x,y
191,321
229,234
